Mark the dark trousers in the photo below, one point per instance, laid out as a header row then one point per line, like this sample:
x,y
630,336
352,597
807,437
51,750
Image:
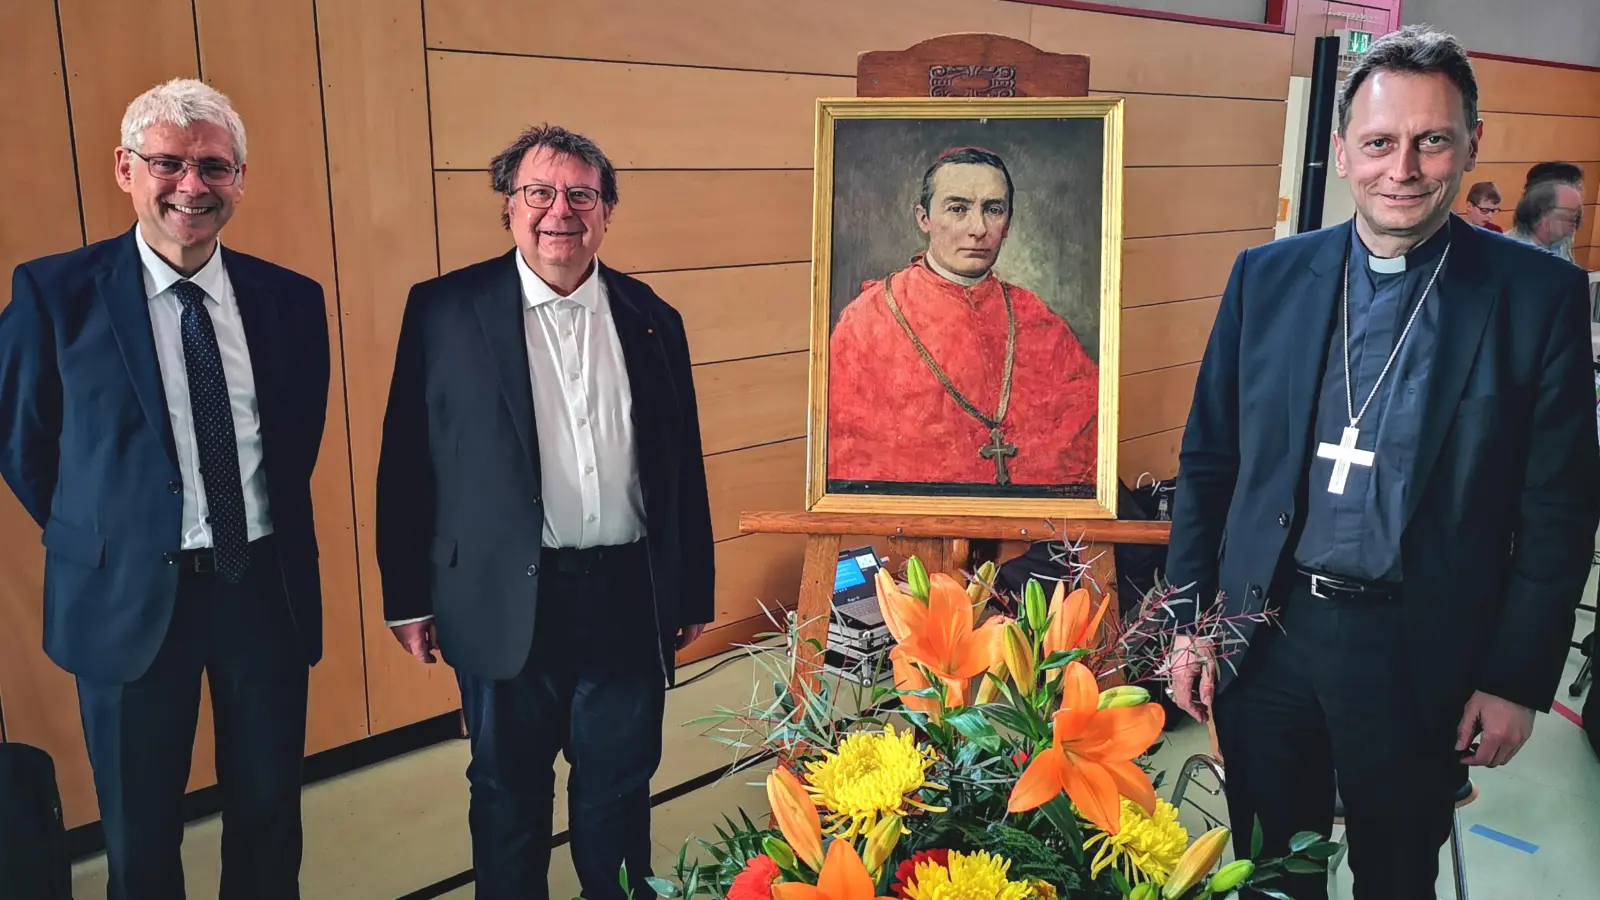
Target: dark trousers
x,y
1325,701
593,689
141,738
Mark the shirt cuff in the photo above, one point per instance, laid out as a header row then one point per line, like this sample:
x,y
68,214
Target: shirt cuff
x,y
399,622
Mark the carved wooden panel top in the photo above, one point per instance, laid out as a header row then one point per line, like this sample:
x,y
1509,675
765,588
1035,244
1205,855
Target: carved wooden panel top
x,y
971,65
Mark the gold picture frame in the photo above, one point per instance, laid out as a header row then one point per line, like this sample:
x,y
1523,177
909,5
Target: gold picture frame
x,y
939,500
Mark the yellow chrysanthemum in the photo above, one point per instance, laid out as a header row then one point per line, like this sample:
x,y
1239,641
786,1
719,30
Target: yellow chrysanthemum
x,y
868,777
1042,890
968,876
1146,848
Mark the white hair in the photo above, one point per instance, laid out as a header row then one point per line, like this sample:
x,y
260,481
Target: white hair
x,y
182,102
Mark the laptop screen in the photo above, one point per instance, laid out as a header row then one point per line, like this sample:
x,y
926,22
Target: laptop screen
x,y
853,576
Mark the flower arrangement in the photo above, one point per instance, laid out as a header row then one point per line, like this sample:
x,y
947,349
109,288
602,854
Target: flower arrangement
x,y
1017,773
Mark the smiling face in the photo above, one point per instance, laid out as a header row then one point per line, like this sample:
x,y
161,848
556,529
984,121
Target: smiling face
x,y
180,219
969,219
558,243
1404,152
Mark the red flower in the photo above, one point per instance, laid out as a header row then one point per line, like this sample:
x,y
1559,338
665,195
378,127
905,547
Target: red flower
x,y
1019,758
906,875
755,882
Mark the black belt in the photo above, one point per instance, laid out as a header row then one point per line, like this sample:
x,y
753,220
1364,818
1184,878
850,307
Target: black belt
x,y
588,560
203,560
1337,589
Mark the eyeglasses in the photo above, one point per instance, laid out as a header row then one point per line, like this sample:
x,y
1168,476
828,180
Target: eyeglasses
x,y
170,168
1486,210
543,196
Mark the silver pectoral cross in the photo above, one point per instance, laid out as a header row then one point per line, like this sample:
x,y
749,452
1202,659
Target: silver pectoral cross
x,y
1344,454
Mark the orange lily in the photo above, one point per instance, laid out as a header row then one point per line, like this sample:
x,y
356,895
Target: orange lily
x,y
843,877
946,641
903,613
1091,757
908,676
1071,626
797,815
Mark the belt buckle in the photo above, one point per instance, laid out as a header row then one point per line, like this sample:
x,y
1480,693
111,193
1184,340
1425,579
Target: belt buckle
x,y
205,562
1317,582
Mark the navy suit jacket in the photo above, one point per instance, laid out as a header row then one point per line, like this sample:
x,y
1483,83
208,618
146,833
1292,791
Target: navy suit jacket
x,y
460,522
86,445
1504,498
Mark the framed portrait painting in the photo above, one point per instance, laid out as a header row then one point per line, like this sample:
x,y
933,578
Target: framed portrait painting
x,y
965,307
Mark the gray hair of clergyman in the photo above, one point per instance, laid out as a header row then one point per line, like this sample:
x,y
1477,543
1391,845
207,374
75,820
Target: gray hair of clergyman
x,y
1539,201
970,156
182,102
1415,50
503,168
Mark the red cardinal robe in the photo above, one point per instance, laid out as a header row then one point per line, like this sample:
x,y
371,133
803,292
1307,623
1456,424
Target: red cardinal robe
x,y
889,418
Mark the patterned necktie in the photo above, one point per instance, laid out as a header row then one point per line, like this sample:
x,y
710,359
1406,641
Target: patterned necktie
x,y
213,429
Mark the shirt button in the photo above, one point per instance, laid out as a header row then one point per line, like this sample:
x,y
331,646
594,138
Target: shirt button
x,y
582,422
573,376
533,569
592,517
588,470
1283,520
175,487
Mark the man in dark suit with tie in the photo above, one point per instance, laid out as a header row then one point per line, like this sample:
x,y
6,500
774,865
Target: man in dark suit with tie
x,y
1392,448
162,400
543,519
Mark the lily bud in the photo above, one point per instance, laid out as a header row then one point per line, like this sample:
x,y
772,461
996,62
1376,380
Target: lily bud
x,y
978,590
1033,601
1125,695
917,578
989,688
797,816
1195,863
881,841
1145,891
1231,876
779,853
1018,651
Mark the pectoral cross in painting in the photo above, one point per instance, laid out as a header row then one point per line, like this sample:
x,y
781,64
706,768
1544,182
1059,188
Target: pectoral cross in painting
x,y
1344,454
998,450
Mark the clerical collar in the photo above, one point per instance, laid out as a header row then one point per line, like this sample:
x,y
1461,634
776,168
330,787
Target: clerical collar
x,y
1425,253
947,275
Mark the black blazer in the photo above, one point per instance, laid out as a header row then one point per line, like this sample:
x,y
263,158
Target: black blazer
x,y
86,445
1505,496
460,521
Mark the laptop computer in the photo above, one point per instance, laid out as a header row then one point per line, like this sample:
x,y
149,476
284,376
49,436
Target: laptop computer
x,y
855,592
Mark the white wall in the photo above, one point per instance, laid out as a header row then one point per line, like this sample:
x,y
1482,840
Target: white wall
x,y
1294,157
1554,30
1237,10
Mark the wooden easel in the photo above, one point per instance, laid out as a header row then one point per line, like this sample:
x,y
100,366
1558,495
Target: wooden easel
x,y
954,65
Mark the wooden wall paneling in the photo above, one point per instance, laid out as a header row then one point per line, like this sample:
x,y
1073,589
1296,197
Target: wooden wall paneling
x,y
1168,334
264,56
41,213
730,637
751,401
1509,178
661,221
1152,56
643,116
1588,257
739,312
39,700
1198,199
757,570
115,52
771,476
1165,130
1156,401
1510,137
1155,455
1547,90
1162,270
375,97
819,36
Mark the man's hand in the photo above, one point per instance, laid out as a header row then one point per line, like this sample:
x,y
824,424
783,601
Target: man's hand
x,y
688,634
1192,662
419,638
1505,727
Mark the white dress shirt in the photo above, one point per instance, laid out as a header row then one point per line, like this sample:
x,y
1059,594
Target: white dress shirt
x,y
583,414
166,313
583,411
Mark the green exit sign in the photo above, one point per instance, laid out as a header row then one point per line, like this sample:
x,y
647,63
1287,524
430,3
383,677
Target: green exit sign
x,y
1360,41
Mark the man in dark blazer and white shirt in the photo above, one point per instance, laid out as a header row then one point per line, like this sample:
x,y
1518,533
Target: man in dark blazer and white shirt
x,y
543,519
162,401
1392,446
